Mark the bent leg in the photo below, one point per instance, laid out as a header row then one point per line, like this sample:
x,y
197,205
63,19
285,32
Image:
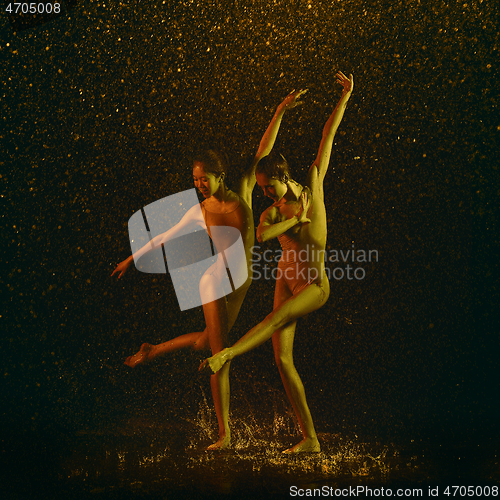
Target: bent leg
x,y
309,299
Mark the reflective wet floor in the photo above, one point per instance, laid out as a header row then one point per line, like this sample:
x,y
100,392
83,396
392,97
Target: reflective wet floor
x,y
147,458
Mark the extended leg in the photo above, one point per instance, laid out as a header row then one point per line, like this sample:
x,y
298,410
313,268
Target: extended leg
x,y
147,352
283,353
216,319
219,384
195,340
220,381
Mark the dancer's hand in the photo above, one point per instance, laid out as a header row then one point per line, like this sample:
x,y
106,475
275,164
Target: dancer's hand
x,y
306,203
292,100
347,83
122,267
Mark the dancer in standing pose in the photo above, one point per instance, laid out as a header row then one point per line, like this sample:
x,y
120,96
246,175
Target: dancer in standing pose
x,y
221,207
298,219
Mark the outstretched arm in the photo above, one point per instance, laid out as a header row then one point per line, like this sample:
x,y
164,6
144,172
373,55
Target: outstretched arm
x,y
267,142
331,126
192,216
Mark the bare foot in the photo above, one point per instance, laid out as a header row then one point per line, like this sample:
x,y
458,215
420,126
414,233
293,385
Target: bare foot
x,y
216,362
143,356
223,443
306,445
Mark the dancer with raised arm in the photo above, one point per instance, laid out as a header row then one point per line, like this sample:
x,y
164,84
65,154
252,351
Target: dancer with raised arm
x,y
298,219
221,207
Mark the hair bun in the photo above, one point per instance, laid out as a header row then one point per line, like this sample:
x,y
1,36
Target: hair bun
x,y
275,166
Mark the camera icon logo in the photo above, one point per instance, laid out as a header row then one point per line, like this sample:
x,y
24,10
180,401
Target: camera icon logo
x,y
202,268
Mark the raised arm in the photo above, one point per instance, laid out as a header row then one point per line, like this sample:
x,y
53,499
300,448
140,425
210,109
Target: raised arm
x,y
191,217
267,142
329,130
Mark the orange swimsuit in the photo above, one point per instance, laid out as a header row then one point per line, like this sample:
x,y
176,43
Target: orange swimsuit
x,y
293,265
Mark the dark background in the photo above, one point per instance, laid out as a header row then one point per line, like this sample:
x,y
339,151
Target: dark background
x,y
101,110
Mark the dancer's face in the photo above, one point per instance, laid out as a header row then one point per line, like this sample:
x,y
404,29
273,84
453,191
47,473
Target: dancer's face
x,y
273,188
207,183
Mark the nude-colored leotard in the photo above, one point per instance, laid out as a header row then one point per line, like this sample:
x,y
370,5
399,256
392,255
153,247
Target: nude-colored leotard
x,y
219,227
293,265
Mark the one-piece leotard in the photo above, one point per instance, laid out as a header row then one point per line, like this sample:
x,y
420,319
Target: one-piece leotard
x,y
293,265
231,245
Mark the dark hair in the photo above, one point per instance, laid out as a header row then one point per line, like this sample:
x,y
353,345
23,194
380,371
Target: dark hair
x,y
274,166
214,162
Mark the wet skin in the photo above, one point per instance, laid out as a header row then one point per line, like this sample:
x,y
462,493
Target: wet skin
x,y
220,314
305,229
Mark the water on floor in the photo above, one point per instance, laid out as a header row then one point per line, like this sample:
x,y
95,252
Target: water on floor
x,y
145,457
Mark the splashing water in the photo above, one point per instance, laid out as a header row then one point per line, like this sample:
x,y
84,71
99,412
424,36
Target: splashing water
x,y
146,455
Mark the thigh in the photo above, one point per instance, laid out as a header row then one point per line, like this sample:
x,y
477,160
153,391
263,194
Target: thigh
x,y
311,298
216,321
221,313
234,302
212,282
283,337
282,291
215,306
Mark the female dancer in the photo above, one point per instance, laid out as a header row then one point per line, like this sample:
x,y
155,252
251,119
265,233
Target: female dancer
x,y
221,207
298,219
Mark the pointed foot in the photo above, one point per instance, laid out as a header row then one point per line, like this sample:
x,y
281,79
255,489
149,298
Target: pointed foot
x,y
144,355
